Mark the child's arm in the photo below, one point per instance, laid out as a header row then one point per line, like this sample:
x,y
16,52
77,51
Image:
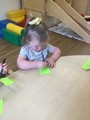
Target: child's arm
x,y
55,55
25,64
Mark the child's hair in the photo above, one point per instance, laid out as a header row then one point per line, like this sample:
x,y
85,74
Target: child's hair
x,y
40,30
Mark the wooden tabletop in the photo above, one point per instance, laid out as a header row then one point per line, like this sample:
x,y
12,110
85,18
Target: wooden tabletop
x,y
62,95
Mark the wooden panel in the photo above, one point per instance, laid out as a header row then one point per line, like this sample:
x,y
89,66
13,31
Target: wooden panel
x,y
36,5
69,1
88,8
80,5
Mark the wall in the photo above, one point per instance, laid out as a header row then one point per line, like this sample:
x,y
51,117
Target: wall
x,y
6,5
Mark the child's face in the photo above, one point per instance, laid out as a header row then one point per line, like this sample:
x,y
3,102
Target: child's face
x,y
36,45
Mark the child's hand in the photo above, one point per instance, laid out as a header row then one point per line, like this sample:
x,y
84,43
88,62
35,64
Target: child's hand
x,y
42,64
51,62
4,67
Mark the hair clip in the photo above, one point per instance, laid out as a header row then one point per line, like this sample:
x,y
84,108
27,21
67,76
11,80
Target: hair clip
x,y
36,21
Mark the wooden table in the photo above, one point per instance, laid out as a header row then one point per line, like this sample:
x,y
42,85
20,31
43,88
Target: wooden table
x,y
62,95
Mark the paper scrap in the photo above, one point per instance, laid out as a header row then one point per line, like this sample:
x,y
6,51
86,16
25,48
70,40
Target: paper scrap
x,y
44,70
6,81
86,65
1,105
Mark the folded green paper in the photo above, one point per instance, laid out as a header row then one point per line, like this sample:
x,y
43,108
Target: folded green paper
x,y
86,65
6,81
44,70
1,105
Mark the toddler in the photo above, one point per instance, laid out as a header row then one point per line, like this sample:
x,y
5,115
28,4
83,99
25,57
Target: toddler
x,y
34,53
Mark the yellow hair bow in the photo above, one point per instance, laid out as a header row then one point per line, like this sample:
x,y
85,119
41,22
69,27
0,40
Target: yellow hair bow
x,y
36,21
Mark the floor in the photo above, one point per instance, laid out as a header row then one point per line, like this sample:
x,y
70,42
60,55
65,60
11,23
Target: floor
x,y
68,47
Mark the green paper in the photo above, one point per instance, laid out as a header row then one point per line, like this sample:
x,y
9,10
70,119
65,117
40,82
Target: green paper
x,y
1,106
86,65
44,70
6,81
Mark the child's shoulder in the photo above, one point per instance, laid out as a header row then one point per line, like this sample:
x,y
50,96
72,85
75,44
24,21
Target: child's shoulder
x,y
25,47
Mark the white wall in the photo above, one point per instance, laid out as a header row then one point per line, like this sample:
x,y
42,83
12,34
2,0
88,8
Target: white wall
x,y
6,5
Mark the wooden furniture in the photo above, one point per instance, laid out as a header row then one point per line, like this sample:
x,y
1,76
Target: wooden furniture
x,y
35,7
63,11
80,6
88,8
64,94
70,17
